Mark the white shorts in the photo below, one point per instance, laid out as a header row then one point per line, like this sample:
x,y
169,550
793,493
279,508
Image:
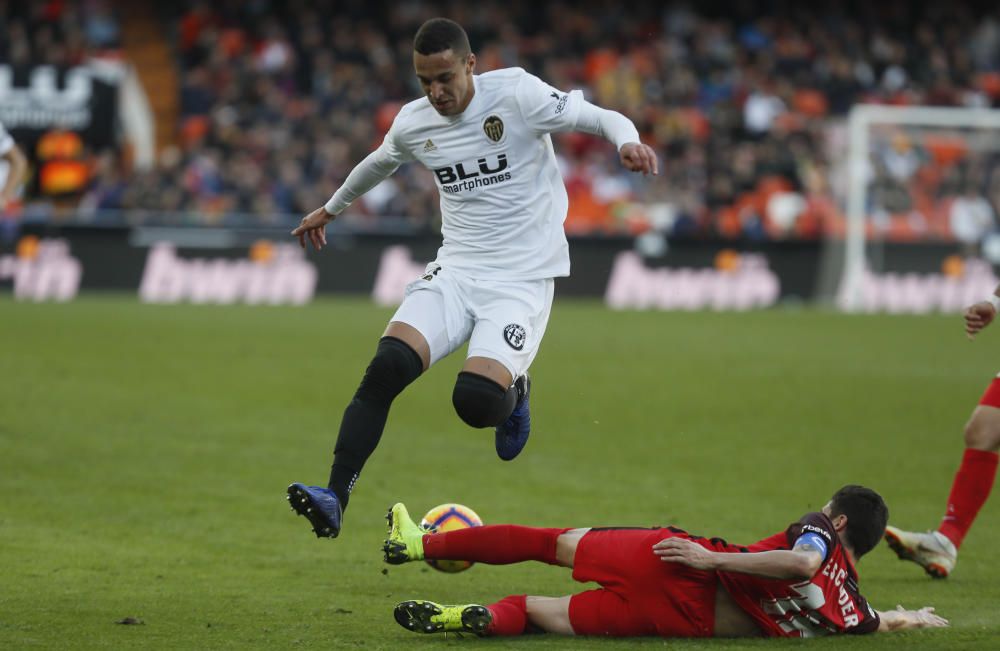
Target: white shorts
x,y
501,320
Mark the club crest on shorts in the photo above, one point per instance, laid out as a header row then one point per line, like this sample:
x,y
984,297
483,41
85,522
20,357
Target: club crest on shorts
x,y
515,336
493,128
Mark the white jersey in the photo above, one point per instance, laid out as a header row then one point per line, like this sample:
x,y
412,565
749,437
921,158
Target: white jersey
x,y
503,202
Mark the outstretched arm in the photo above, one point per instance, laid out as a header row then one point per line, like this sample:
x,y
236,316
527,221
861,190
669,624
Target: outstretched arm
x,y
902,619
613,126
981,314
375,168
547,110
799,563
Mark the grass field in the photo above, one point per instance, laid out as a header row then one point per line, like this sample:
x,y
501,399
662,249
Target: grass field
x,y
145,451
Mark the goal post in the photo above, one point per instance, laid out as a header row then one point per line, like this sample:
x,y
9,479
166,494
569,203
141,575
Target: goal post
x,y
968,125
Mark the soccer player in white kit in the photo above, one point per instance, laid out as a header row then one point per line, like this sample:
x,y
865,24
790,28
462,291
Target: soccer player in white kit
x,y
503,203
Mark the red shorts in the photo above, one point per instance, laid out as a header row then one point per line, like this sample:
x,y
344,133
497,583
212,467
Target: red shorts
x,y
641,594
991,397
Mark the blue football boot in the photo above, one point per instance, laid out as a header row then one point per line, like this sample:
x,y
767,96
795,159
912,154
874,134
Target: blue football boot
x,y
320,506
512,434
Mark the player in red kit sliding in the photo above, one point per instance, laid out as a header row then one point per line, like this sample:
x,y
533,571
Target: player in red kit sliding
x,y
937,551
667,582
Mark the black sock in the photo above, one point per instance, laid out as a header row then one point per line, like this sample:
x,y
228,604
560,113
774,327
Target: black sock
x,y
394,366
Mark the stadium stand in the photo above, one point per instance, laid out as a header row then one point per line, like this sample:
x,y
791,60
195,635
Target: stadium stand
x,y
744,103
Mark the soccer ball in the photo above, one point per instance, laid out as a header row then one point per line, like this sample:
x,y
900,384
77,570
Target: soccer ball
x,y
450,517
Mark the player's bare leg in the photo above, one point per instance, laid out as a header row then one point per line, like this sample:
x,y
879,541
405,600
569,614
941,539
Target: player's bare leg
x,y
489,368
937,551
566,545
551,614
412,338
982,432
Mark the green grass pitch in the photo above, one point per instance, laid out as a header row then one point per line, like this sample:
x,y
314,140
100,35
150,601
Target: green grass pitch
x,y
145,451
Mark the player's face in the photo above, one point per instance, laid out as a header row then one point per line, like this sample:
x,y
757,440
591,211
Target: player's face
x,y
446,80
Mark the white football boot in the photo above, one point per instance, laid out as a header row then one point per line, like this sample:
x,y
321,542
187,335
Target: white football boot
x,y
930,550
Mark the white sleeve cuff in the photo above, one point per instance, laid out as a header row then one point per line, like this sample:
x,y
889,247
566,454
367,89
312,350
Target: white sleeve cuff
x,y
336,204
610,125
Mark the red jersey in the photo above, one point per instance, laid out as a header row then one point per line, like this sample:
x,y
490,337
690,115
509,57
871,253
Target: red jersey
x,y
827,603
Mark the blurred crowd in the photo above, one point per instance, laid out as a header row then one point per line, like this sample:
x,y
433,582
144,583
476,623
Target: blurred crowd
x,y
56,32
57,35
743,101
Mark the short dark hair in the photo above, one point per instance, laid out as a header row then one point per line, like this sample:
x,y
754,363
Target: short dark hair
x,y
440,34
866,514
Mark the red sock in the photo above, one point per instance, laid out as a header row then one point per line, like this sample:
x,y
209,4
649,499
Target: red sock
x,y
497,544
969,491
510,616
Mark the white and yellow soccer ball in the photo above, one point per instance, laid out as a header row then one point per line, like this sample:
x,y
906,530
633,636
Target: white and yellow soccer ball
x,y
450,517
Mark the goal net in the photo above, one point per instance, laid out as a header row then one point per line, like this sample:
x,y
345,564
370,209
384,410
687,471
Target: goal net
x,y
922,194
